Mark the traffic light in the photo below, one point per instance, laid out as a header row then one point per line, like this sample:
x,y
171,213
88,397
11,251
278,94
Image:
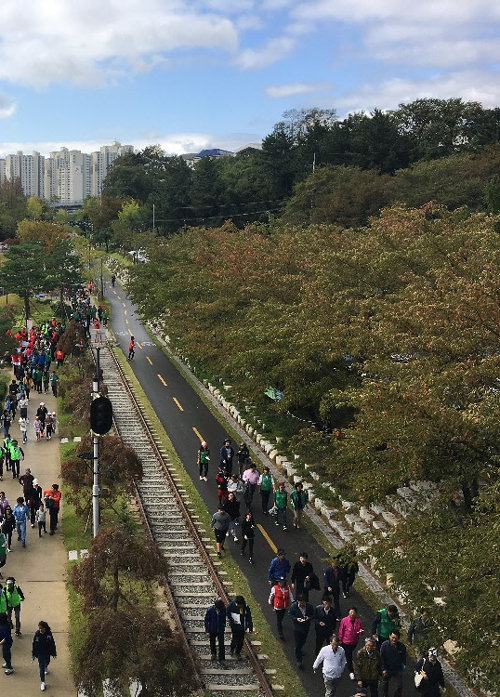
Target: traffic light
x,y
101,415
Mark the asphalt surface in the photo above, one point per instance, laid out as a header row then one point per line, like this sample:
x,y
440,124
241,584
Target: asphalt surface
x,y
187,421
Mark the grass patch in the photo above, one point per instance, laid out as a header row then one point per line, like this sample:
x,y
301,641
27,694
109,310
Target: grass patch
x,y
285,674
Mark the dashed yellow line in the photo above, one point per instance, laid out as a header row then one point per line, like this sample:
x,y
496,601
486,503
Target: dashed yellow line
x,y
119,298
138,344
129,332
177,403
124,304
126,321
149,360
268,539
125,312
198,434
162,380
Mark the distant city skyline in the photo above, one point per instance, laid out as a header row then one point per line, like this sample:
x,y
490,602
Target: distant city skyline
x,y
195,74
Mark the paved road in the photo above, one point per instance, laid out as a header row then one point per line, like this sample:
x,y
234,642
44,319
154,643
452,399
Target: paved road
x,y
187,420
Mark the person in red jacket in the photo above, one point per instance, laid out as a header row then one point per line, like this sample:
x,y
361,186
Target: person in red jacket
x,y
59,357
350,630
52,501
280,598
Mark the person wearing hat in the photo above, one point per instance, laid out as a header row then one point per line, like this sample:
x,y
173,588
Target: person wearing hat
x,y
278,568
41,413
202,460
367,666
280,597
13,598
432,674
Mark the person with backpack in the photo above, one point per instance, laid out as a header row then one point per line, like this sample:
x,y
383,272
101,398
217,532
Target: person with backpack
x,y
13,597
43,649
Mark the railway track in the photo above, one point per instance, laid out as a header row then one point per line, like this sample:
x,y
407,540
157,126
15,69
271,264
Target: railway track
x,y
194,579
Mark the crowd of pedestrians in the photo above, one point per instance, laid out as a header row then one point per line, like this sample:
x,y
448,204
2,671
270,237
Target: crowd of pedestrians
x,y
374,657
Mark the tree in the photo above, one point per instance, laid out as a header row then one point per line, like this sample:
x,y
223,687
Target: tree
x,y
12,206
24,272
41,232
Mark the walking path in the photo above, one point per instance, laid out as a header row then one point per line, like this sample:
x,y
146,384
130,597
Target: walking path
x,y
40,570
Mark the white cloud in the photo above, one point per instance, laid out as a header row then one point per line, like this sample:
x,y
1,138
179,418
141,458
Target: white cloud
x,y
295,89
273,51
91,41
470,85
7,106
172,144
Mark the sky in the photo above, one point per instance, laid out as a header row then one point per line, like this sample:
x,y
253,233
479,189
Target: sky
x,y
194,74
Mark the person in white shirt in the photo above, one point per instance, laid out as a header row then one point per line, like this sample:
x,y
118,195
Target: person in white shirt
x,y
334,661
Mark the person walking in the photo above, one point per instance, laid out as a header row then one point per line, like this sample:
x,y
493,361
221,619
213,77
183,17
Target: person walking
x,y
250,478
131,348
54,379
432,674
302,614
350,630
302,576
393,659
23,427
333,661
6,642
281,501
21,515
348,569
280,598
35,500
240,621
8,525
16,454
266,486
278,568
226,456
368,667
43,649
422,633
52,500
331,580
243,455
220,525
3,551
325,622
13,598
248,536
232,507
384,622
298,501
41,519
215,626
221,478
202,460
37,427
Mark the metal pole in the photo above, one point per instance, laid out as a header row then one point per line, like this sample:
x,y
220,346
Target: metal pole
x,y
95,488
102,284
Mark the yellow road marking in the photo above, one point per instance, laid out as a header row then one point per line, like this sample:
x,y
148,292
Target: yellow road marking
x,y
118,296
138,344
268,539
162,380
198,434
177,402
124,312
130,332
149,360
124,304
114,292
126,321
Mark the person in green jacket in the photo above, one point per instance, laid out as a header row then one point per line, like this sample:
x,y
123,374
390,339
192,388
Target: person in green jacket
x,y
266,484
298,500
368,666
384,622
13,596
280,501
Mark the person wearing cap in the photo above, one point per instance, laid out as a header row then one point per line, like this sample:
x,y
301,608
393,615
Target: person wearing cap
x,y
202,460
333,661
302,614
13,599
367,666
266,486
226,456
393,658
243,455
220,525
432,674
280,597
280,501
278,568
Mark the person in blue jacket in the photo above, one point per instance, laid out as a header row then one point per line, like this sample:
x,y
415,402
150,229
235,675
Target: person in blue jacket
x,y
240,620
215,625
278,568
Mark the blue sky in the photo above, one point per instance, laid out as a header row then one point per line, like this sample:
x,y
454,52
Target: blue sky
x,y
190,74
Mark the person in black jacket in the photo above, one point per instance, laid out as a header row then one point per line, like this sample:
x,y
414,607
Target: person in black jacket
x,y
302,573
248,536
240,621
324,622
44,647
302,614
433,674
331,578
393,660
232,507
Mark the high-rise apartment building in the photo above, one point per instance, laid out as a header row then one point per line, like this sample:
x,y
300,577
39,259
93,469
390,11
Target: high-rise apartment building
x,y
66,176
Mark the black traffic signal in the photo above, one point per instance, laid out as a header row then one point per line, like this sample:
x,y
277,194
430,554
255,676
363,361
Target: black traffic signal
x,y
101,415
